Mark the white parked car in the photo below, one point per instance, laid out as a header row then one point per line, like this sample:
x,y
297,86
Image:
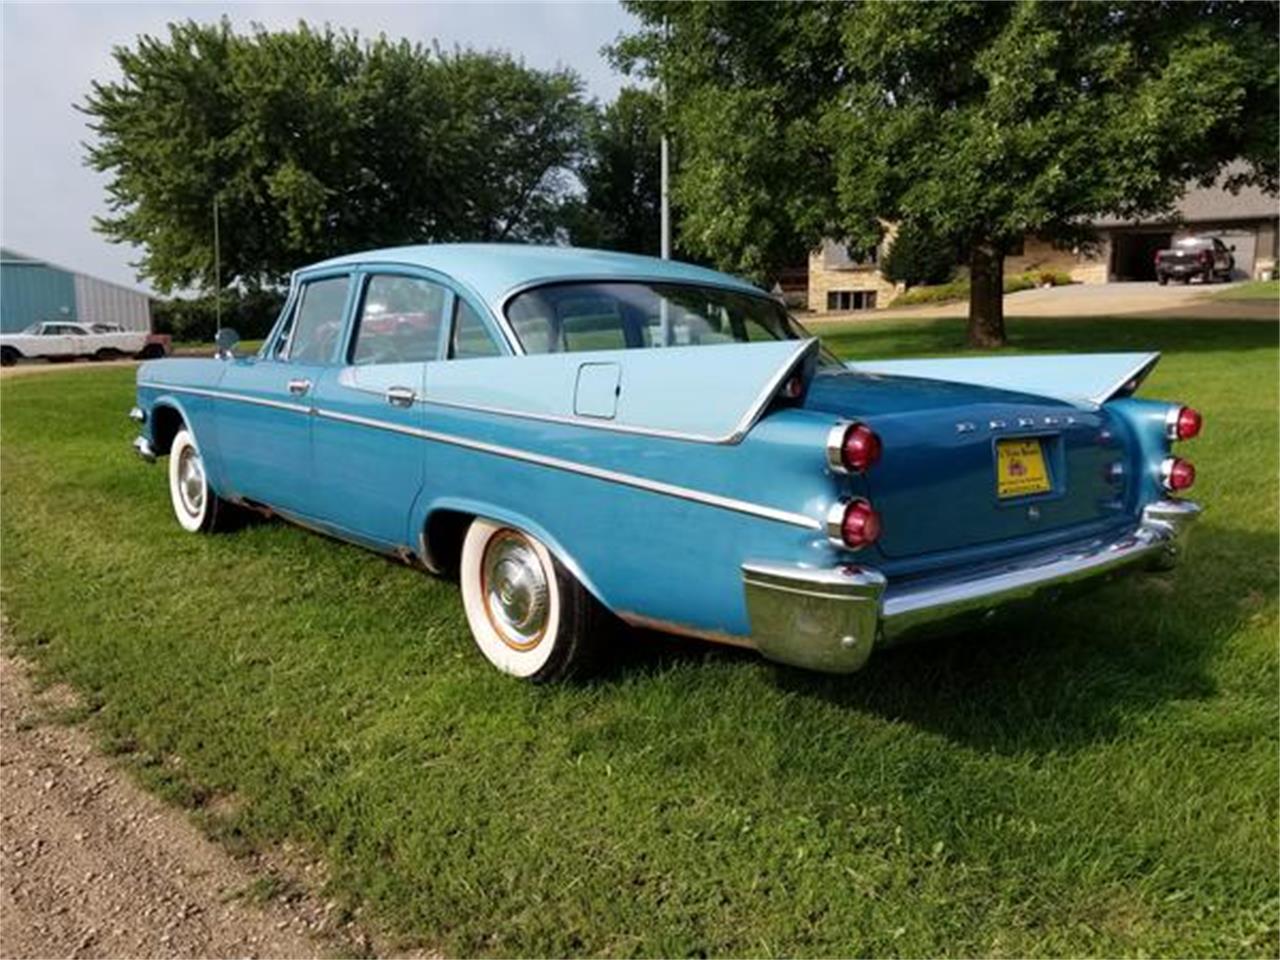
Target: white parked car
x,y
67,340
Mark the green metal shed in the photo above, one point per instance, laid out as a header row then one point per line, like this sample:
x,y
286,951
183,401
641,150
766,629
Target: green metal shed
x,y
32,290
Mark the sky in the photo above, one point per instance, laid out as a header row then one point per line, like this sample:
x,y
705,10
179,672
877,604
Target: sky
x,y
51,52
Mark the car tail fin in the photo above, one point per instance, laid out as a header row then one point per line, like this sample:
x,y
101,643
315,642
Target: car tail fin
x,y
1089,379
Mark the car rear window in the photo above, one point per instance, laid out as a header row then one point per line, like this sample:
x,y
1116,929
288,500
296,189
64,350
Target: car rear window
x,y
580,317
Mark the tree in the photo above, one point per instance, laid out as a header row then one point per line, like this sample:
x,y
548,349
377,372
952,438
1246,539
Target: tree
x,y
979,122
315,143
918,256
620,206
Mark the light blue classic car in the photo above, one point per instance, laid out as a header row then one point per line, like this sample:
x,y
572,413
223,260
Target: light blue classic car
x,y
584,437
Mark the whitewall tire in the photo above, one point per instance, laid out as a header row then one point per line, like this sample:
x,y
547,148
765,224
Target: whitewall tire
x,y
529,616
195,506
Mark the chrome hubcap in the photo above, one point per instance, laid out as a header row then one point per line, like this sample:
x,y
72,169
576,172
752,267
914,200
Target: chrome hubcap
x,y
516,593
191,481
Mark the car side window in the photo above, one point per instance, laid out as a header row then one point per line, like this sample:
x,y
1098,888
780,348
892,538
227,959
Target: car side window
x,y
471,338
311,332
400,321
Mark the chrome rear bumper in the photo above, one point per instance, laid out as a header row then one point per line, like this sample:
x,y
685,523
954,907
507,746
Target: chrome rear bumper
x,y
830,619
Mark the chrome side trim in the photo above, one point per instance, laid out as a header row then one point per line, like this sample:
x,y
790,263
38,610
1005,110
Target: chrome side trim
x,y
586,470
138,415
512,453
770,388
227,395
593,424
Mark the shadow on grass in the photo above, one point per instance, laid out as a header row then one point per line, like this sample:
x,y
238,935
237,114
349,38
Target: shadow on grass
x,y
1049,679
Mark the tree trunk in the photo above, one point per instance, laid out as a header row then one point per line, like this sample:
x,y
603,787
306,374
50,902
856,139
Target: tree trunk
x,y
986,296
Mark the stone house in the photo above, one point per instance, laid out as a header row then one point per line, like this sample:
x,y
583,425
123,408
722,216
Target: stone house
x,y
1249,221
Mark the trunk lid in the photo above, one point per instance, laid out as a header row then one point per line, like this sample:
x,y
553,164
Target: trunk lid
x,y
935,485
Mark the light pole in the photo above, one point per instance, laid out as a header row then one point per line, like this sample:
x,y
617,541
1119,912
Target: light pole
x,y
665,175
217,272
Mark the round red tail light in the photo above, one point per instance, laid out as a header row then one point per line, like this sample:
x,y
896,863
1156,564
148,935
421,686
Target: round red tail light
x,y
853,449
1185,423
1177,474
853,523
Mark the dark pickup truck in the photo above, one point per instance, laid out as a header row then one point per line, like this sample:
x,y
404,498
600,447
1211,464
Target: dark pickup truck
x,y
1205,257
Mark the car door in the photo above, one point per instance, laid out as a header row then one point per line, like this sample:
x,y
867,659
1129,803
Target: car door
x,y
55,340
266,401
369,457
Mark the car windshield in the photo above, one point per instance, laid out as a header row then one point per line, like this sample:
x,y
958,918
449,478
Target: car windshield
x,y
577,317
107,328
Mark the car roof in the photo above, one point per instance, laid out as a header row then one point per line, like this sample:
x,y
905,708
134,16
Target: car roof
x,y
495,270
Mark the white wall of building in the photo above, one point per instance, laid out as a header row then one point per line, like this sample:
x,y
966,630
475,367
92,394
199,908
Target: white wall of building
x,y
98,301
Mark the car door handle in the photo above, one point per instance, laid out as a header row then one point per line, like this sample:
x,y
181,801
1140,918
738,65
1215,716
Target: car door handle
x,y
401,396
299,387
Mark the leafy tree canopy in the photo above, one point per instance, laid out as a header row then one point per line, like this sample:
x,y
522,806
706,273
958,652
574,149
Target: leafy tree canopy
x,y
619,208
316,143
977,121
918,256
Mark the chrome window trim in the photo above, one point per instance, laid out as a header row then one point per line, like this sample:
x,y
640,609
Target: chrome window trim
x,y
556,463
364,278
745,290
460,289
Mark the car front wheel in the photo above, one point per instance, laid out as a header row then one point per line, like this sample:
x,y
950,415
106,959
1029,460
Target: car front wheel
x,y
529,616
197,508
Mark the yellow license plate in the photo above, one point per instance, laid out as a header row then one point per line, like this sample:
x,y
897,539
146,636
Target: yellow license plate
x,y
1020,468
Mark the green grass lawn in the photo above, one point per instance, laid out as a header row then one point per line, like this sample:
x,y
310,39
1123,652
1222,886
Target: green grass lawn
x,y
1100,779
1253,290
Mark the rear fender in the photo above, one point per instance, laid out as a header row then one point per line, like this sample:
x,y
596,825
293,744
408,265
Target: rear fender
x,y
500,514
1146,422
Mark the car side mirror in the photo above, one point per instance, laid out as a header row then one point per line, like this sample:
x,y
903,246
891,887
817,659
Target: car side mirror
x,y
225,342
1232,248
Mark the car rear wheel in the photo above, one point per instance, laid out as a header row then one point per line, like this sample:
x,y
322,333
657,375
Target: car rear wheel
x,y
529,616
1162,279
197,508
8,356
106,353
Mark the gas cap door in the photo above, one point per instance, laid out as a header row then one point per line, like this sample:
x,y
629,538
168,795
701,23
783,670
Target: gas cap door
x,y
597,390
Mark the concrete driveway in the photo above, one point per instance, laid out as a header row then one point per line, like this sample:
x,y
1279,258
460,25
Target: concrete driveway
x,y
1097,300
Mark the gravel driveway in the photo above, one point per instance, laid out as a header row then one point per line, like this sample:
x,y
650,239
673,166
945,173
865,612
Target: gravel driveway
x,y
93,866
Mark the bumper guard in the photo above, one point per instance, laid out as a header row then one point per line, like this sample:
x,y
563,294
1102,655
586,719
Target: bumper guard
x,y
829,619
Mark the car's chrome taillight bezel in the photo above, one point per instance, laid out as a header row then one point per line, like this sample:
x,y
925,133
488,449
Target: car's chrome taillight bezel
x,y
836,517
1169,473
1173,423
837,438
